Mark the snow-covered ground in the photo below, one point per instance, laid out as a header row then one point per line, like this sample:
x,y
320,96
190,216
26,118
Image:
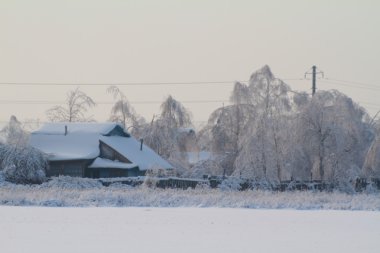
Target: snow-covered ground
x,y
121,218
70,230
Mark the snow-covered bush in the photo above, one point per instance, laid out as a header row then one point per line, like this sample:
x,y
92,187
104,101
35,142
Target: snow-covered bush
x,y
231,184
371,188
23,164
66,182
19,162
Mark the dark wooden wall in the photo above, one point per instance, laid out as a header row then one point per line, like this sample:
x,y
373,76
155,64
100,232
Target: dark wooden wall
x,y
73,168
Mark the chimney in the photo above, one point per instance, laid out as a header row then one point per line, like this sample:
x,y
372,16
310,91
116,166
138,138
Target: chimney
x,y
141,144
65,130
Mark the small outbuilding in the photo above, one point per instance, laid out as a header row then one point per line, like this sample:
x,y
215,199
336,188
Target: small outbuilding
x,y
95,150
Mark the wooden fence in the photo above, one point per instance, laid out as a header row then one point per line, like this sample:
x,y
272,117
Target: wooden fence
x,y
358,185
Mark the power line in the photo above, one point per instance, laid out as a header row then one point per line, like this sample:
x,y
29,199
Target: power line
x,y
353,82
348,85
116,84
51,102
368,103
47,102
32,102
128,83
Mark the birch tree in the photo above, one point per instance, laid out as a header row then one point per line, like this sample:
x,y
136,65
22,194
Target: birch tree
x,y
174,114
371,166
74,110
122,112
335,134
162,135
264,143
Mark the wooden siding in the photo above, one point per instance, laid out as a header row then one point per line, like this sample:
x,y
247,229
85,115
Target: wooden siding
x,y
107,172
112,172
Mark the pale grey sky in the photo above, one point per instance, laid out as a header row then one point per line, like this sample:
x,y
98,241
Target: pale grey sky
x,y
115,41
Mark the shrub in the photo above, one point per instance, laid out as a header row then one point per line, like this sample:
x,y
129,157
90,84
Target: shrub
x,y
23,165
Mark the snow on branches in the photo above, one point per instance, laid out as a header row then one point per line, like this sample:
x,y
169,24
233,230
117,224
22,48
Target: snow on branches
x,y
19,162
271,133
76,105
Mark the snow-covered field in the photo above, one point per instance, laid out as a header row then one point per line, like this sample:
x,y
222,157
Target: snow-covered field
x,y
120,218
70,230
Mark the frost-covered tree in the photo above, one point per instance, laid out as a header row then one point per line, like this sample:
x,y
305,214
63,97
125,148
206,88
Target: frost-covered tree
x,y
334,134
76,105
371,166
250,135
19,162
226,126
272,133
174,113
163,134
122,112
264,143
13,133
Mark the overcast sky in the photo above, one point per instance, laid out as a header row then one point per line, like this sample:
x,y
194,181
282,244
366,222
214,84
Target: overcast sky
x,y
119,41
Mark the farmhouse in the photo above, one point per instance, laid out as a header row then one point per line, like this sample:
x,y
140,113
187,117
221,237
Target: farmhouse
x,y
95,150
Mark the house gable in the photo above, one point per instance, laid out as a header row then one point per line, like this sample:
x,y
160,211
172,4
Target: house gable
x,y
117,131
132,150
110,153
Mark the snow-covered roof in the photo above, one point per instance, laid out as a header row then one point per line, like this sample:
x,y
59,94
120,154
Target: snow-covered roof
x,y
106,163
87,127
130,148
67,147
82,143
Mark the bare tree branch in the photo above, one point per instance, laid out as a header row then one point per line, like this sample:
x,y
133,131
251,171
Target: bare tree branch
x,y
77,104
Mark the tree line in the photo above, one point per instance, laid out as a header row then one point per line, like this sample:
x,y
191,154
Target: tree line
x,y
267,133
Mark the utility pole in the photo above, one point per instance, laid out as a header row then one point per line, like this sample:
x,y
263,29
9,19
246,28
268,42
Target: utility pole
x,y
314,77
